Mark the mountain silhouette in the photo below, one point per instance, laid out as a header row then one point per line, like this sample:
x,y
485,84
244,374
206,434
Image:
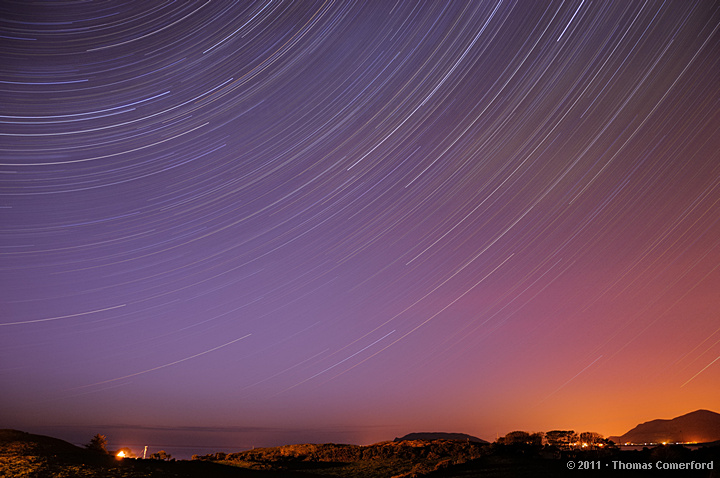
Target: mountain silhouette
x,y
440,436
700,426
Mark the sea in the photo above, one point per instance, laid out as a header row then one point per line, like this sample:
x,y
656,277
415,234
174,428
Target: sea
x,y
179,452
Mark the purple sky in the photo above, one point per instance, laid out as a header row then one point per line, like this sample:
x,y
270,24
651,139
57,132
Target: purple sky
x,y
278,222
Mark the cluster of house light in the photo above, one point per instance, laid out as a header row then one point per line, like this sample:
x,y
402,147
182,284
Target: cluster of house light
x,y
585,445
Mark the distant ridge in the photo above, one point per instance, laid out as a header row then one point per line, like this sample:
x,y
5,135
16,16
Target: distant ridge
x,y
429,436
700,426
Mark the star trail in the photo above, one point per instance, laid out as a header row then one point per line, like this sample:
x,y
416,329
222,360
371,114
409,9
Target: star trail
x,y
358,218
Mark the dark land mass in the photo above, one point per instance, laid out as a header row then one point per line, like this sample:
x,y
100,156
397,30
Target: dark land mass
x,y
440,436
36,456
386,459
455,459
700,426
25,455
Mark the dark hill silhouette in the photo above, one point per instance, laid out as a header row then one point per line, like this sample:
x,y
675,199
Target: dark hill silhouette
x,y
700,426
429,436
17,442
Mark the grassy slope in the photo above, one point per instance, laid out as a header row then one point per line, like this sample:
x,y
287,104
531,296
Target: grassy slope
x,y
385,459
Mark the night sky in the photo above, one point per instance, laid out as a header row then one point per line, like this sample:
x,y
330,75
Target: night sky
x,y
276,222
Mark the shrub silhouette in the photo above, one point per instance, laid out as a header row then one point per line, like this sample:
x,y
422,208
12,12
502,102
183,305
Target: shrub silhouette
x,y
161,455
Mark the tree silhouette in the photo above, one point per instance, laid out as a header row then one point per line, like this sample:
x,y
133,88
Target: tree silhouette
x,y
561,438
98,444
591,438
516,437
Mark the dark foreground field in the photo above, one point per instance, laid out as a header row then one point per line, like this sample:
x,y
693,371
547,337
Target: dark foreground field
x,y
26,455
